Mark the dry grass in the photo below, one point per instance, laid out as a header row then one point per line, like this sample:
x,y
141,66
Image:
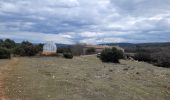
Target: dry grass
x,y
85,78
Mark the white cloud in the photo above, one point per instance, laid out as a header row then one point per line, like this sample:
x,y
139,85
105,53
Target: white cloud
x,y
85,20
102,40
37,37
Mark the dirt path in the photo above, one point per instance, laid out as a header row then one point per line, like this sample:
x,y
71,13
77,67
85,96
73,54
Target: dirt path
x,y
2,93
6,67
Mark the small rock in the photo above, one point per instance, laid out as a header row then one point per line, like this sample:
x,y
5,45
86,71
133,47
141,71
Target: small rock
x,y
19,77
110,70
126,69
53,77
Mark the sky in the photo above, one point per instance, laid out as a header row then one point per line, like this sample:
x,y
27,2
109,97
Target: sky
x,y
85,21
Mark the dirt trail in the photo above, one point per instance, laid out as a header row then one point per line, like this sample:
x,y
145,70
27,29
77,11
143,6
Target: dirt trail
x,y
4,69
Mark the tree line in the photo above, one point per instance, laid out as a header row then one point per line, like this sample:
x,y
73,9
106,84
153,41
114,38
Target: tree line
x,y
155,54
9,47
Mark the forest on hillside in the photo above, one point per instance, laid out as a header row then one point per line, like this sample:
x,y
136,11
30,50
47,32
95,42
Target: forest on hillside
x,y
154,53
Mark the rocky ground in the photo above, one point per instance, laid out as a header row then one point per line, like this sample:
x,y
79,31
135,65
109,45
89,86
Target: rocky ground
x,y
82,78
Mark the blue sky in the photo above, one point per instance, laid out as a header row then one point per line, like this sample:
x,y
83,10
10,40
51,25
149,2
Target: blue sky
x,y
85,21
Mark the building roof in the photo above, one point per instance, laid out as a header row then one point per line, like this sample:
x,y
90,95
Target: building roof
x,y
96,46
102,47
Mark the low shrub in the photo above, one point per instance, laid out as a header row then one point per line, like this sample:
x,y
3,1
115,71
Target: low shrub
x,y
156,53
90,50
161,59
164,62
68,55
77,49
143,56
111,55
8,44
63,50
4,53
26,49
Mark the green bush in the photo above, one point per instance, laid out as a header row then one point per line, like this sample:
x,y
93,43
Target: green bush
x,y
161,59
111,55
77,49
143,56
164,62
1,42
4,53
68,55
19,51
26,49
157,53
8,44
63,50
90,50
39,47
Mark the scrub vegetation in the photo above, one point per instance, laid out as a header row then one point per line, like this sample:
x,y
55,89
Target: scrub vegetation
x,y
83,78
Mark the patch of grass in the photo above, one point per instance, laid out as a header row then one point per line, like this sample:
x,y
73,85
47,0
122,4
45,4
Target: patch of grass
x,y
85,78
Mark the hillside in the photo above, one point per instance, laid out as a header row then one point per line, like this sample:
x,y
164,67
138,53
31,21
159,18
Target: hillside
x,y
163,44
83,78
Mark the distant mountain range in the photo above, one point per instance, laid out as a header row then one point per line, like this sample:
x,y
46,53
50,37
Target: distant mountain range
x,y
164,44
63,45
138,44
123,45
